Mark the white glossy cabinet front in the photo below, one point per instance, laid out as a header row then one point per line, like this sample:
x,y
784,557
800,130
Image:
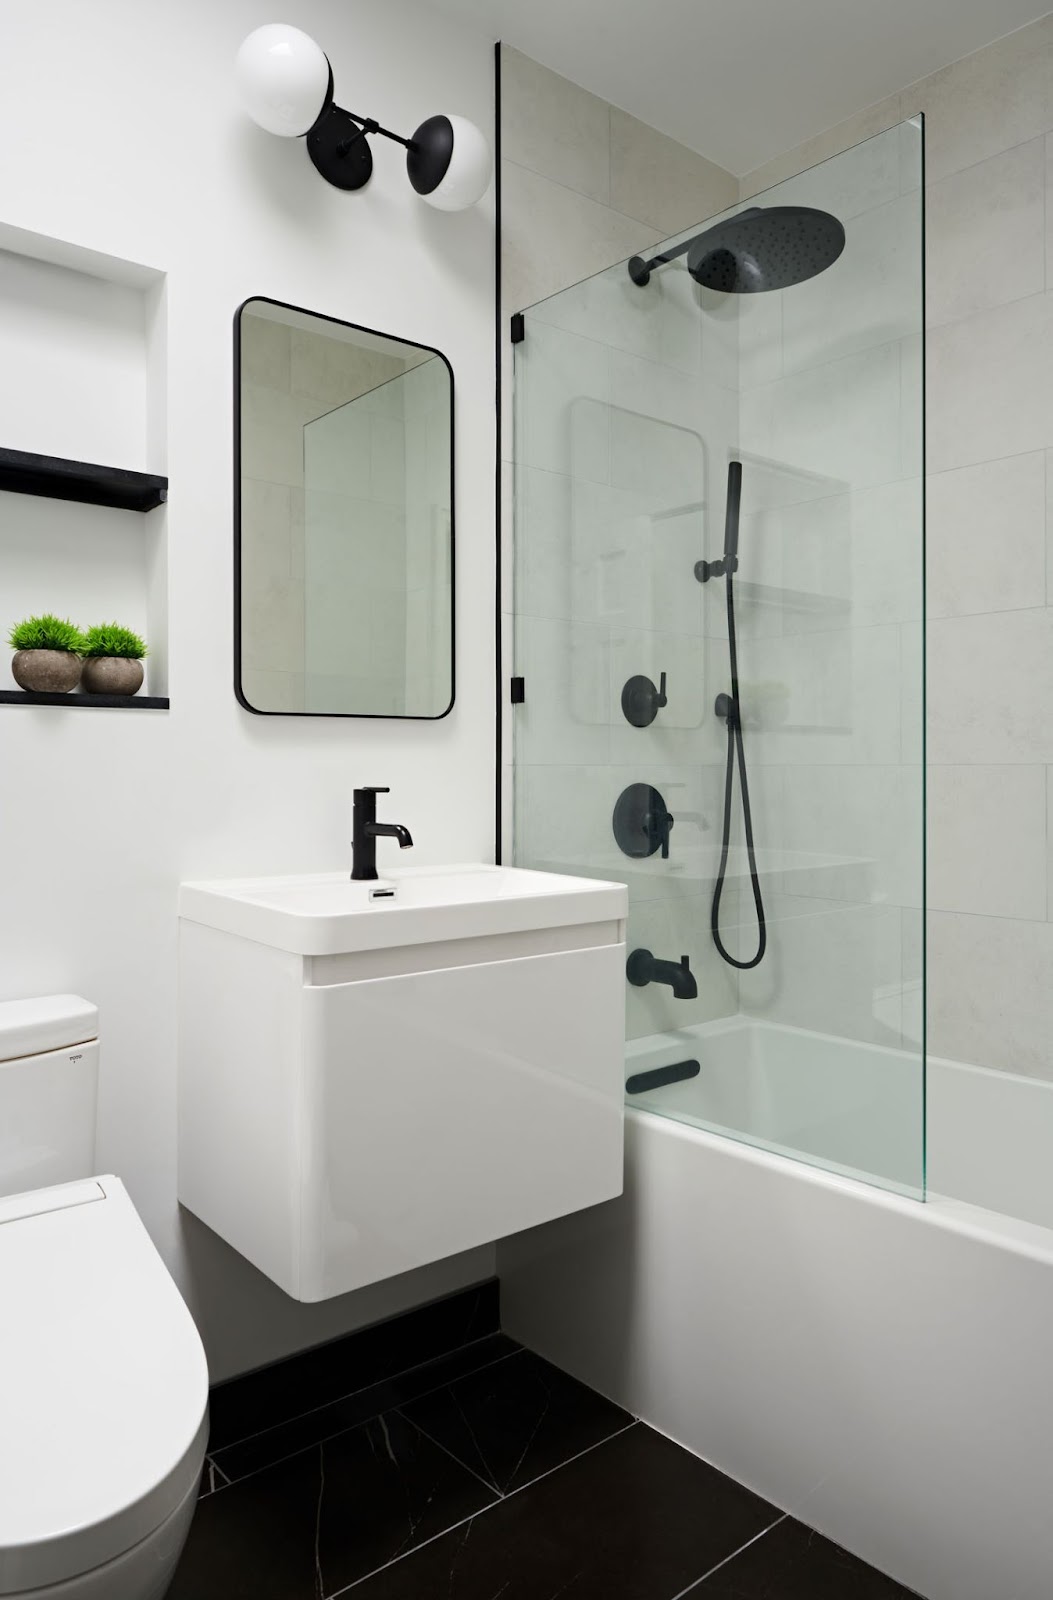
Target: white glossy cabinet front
x,y
337,1133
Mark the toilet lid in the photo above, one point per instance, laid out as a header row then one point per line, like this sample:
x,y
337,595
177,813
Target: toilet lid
x,y
103,1384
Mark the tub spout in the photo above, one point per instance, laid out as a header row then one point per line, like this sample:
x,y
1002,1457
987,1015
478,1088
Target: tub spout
x,y
642,968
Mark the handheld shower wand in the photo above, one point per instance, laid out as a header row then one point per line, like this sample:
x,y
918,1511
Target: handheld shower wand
x,y
728,706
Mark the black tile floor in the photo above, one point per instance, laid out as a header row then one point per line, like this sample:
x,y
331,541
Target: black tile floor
x,y
488,1474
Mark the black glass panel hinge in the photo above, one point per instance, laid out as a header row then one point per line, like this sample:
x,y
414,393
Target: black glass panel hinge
x,y
518,327
518,691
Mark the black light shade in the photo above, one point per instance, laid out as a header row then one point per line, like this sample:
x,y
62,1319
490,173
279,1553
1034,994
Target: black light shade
x,y
449,163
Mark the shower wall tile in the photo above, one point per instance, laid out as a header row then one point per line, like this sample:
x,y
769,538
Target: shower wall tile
x,y
662,323
632,411
986,228
823,699
990,1001
986,537
563,818
671,929
566,715
825,814
566,427
1049,212
990,689
997,98
554,127
552,236
662,182
846,560
987,829
854,130
988,124
829,967
866,298
1049,844
804,419
1049,527
989,391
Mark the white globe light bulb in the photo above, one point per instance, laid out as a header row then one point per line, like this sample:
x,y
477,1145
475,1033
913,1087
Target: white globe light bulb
x,y
283,78
450,164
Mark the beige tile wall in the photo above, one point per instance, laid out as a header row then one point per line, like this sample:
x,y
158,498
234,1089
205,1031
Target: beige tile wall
x,y
584,185
989,142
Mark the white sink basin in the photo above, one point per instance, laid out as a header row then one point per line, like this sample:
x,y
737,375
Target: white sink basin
x,y
329,914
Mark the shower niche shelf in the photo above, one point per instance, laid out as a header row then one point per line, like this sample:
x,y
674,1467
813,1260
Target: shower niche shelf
x,y
100,702
56,478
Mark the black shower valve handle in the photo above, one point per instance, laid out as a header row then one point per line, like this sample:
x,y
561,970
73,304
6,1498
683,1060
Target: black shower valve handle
x,y
656,826
661,699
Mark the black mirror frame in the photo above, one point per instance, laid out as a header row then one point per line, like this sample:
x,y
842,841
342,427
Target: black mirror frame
x,y
371,716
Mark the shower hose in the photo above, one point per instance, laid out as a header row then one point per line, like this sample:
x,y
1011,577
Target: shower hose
x,y
729,706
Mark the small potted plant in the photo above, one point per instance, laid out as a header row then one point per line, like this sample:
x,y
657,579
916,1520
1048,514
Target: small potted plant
x,y
113,660
47,654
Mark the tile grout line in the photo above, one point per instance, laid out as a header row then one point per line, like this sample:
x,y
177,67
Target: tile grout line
x,y
706,1575
656,236
492,1487
635,1423
351,1393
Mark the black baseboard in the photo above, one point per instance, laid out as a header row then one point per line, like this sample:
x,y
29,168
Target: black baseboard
x,y
286,1389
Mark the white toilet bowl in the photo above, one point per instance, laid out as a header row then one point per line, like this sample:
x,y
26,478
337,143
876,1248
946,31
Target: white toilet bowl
x,y
103,1400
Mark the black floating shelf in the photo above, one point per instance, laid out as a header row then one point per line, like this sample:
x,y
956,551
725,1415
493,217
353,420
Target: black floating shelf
x,y
57,479
122,702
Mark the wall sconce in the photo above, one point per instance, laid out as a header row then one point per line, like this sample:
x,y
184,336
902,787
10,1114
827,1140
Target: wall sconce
x,y
286,85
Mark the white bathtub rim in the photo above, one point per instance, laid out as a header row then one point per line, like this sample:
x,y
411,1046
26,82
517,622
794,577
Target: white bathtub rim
x,y
993,1228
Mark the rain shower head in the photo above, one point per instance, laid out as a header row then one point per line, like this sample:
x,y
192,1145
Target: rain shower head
x,y
766,247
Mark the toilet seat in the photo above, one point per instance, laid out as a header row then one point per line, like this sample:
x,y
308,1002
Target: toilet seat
x,y
103,1384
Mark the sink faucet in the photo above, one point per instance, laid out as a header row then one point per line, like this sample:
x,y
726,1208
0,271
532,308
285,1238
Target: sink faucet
x,y
367,830
643,968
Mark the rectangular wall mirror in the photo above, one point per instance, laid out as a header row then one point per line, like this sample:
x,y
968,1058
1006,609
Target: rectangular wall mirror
x,y
343,519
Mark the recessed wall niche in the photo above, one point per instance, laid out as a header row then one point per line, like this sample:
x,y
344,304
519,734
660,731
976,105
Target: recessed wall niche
x,y
82,352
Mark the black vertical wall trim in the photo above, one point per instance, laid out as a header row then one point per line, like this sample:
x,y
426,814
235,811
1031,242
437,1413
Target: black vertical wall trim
x,y
498,349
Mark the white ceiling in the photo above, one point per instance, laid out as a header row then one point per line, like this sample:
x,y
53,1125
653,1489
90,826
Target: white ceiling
x,y
744,80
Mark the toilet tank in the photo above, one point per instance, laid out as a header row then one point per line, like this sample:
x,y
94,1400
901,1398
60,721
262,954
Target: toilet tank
x,y
49,1073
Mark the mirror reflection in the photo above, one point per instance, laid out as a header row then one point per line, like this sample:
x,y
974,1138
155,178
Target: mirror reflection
x,y
345,527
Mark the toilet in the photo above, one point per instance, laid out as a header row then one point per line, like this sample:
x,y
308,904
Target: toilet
x,y
103,1381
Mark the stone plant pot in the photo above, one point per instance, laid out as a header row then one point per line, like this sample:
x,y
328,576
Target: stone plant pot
x,y
46,671
112,675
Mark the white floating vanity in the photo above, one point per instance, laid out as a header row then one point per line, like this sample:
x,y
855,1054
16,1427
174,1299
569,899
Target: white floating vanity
x,y
371,1080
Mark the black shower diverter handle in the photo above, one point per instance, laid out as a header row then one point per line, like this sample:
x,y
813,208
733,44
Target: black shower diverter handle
x,y
656,826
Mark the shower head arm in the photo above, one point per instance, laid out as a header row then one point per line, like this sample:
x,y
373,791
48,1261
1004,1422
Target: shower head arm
x,y
640,270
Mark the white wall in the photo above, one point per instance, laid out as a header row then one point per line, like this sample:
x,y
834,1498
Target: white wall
x,y
148,158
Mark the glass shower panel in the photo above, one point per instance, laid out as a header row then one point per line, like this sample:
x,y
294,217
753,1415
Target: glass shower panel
x,y
632,402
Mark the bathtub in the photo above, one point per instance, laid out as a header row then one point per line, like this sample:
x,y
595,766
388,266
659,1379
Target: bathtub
x,y
877,1366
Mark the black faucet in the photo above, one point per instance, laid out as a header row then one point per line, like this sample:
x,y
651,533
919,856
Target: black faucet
x,y
643,968
367,830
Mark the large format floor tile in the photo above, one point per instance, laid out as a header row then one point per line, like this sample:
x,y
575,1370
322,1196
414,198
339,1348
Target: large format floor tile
x,y
635,1518
484,1473
315,1523
515,1420
791,1562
